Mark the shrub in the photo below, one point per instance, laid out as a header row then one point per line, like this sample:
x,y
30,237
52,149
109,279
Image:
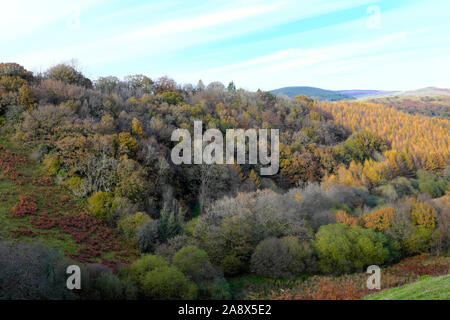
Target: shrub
x,y
363,144
423,214
130,225
172,246
16,70
14,116
402,230
219,289
370,247
388,192
31,271
172,97
419,241
127,144
168,283
302,255
189,227
232,265
237,236
431,184
344,218
446,173
194,263
99,172
272,259
27,97
147,236
136,128
170,223
106,125
107,286
75,184
100,204
441,235
341,248
146,263
68,74
123,206
132,181
51,163
156,279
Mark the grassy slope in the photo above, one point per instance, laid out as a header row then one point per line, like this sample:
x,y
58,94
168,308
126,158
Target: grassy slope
x,y
54,202
427,288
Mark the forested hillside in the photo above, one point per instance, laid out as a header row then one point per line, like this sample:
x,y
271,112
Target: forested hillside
x,y
429,105
314,93
358,184
416,142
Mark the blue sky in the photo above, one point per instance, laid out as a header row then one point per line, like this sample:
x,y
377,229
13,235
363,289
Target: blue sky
x,y
332,44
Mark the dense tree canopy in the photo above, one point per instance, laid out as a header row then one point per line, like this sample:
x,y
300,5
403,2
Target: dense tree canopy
x,y
358,183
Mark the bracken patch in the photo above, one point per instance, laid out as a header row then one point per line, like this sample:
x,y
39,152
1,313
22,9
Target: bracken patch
x,y
43,221
26,206
23,232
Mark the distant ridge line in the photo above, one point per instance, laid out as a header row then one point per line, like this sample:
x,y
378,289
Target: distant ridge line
x,y
337,95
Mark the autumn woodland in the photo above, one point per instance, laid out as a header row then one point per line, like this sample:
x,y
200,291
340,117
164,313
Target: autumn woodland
x,y
86,178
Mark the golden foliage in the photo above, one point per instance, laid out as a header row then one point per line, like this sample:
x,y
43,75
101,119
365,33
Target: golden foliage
x,y
127,144
344,218
424,141
423,214
27,97
136,128
379,220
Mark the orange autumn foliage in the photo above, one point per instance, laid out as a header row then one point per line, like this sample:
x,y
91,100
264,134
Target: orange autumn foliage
x,y
328,290
379,220
26,206
344,218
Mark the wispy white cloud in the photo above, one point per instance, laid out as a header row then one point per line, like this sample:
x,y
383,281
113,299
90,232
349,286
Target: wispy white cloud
x,y
198,22
128,43
257,43
24,17
336,52
296,57
333,67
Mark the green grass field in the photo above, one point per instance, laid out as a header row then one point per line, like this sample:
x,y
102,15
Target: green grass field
x,y
427,288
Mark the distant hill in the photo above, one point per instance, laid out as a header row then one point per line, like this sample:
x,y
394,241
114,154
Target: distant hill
x,y
330,95
311,92
428,105
358,94
429,91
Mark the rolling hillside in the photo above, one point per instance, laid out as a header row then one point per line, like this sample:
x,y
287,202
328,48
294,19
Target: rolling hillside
x,y
428,105
425,92
311,92
360,94
337,95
